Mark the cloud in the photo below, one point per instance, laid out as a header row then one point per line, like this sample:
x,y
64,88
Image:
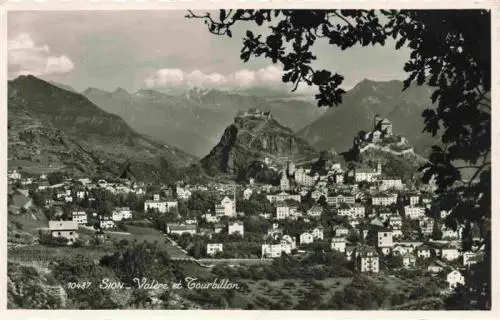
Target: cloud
x,y
240,79
26,57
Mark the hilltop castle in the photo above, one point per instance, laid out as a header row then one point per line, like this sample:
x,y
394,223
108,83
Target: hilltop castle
x,y
381,128
254,113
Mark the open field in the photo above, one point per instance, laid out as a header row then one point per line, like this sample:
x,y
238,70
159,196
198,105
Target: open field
x,y
33,167
29,222
40,253
141,234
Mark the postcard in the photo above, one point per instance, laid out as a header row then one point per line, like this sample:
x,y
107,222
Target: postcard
x,y
273,156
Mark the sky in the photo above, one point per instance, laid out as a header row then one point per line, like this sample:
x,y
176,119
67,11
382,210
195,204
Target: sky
x,y
156,49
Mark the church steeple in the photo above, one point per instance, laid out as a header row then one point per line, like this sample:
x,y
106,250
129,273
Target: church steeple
x,y
376,120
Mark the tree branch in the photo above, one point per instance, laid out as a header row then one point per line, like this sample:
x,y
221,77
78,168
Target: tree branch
x,y
344,19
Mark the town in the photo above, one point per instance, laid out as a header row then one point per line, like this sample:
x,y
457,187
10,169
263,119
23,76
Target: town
x,y
377,223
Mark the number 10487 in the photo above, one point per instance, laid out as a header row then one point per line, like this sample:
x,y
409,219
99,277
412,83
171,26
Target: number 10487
x,y
78,285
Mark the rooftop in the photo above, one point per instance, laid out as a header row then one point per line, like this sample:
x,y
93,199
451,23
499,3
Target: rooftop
x,y
63,225
182,226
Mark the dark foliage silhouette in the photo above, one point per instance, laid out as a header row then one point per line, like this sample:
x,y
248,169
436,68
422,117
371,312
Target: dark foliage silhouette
x,y
450,52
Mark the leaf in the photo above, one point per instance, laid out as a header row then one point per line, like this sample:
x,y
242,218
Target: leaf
x,y
229,34
320,77
250,34
400,43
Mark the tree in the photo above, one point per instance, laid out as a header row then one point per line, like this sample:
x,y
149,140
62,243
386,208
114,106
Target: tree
x,y
450,53
55,177
436,232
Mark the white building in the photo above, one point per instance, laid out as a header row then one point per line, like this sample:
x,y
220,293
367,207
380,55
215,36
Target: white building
x,y
227,207
455,278
385,241
384,199
14,175
213,248
316,194
367,174
64,229
414,213
367,260
161,206
211,218
282,212
401,250
120,214
247,193
181,229
469,258
395,221
275,250
106,223
337,199
397,233
80,194
444,213
306,238
338,244
424,252
426,225
318,233
290,240
79,217
356,210
182,193
387,184
409,260
315,211
449,234
303,177
341,231
172,205
282,197
414,199
449,253
236,227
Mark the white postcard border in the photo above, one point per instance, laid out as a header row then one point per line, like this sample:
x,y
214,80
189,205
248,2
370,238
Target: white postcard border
x,y
18,5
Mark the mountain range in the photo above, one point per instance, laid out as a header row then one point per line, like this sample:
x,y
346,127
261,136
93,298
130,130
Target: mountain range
x,y
147,131
58,127
195,120
338,125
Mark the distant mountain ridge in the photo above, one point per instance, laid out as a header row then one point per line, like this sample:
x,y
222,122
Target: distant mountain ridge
x,y
195,119
104,135
336,127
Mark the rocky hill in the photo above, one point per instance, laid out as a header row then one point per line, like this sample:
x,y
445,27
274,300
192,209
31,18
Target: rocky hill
x,y
194,120
55,127
253,137
381,144
336,127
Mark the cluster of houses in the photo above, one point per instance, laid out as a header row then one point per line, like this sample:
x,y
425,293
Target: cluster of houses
x,y
389,200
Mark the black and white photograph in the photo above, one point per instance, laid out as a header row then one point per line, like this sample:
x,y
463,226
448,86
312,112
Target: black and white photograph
x,y
250,159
